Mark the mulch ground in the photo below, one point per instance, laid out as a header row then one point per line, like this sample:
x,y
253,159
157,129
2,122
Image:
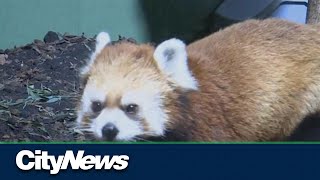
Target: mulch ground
x,y
39,89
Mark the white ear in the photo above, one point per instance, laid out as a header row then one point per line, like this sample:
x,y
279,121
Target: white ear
x,y
172,59
102,40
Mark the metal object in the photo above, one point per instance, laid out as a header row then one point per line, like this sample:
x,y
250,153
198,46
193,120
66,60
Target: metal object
x,y
239,10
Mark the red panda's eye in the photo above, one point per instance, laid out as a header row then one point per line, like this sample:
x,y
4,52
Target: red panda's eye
x,y
131,109
96,106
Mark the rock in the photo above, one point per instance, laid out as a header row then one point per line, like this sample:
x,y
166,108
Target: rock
x,y
1,51
38,42
3,59
6,136
51,37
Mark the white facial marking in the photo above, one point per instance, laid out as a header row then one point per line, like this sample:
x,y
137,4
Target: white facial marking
x,y
149,102
172,59
90,94
127,127
150,108
79,116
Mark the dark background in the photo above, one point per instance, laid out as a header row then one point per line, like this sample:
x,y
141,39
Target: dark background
x,y
183,161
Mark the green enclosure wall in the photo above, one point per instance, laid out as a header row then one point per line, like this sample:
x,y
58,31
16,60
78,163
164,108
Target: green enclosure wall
x,y
22,21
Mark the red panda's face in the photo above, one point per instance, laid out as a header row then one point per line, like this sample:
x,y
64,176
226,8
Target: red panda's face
x,y
125,90
126,97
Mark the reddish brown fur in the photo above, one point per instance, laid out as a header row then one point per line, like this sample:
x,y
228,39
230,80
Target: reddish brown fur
x,y
258,79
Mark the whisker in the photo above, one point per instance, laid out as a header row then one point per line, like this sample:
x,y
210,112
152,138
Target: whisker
x,y
87,130
141,139
81,127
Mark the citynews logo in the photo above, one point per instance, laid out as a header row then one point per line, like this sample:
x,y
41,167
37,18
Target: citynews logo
x,y
40,160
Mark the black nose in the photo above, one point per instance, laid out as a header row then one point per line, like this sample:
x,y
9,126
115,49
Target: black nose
x,y
109,131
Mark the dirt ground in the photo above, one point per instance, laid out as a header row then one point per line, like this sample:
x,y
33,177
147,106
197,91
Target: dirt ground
x,y
39,89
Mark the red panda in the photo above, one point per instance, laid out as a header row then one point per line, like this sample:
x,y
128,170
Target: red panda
x,y
252,81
